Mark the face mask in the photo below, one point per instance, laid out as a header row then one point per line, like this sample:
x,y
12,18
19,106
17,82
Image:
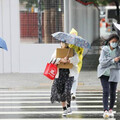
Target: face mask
x,y
113,44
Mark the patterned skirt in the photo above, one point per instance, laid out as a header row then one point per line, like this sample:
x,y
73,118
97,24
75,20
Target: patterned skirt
x,y
61,88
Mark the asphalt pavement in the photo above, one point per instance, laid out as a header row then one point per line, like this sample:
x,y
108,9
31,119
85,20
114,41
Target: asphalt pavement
x,y
37,81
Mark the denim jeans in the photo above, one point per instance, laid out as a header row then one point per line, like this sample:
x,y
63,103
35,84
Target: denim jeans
x,y
109,88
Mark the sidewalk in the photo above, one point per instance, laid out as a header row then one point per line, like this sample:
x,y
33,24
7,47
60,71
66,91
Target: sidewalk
x,y
87,81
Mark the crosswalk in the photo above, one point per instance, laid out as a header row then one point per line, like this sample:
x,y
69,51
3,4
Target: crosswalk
x,y
36,105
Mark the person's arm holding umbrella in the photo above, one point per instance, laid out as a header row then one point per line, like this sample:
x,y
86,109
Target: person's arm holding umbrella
x,y
61,88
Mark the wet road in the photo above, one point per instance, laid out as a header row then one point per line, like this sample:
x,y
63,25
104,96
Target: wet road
x,y
22,105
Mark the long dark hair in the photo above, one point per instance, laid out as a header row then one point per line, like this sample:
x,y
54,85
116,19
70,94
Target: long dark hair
x,y
106,41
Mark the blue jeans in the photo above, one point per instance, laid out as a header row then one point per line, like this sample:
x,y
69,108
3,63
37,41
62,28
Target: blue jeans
x,y
108,88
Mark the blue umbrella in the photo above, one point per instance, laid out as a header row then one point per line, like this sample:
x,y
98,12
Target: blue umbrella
x,y
3,44
71,39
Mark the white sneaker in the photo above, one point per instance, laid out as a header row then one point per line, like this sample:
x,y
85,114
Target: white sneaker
x,y
65,112
106,114
69,110
111,114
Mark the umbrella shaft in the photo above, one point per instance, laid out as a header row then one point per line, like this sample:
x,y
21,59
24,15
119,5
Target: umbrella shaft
x,y
68,52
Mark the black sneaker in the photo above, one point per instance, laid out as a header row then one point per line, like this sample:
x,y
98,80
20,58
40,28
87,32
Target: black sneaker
x,y
73,97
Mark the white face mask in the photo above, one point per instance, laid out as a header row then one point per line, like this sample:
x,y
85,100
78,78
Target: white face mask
x,y
113,44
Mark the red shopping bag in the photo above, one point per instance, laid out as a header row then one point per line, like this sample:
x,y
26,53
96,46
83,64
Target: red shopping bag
x,y
50,70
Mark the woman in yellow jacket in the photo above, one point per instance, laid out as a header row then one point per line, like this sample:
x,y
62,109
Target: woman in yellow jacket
x,y
76,68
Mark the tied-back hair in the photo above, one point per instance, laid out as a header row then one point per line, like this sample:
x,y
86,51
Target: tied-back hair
x,y
106,41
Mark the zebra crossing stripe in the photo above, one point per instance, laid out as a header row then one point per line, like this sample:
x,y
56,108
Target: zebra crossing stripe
x,y
82,106
44,97
53,112
62,119
93,101
7,94
47,91
5,98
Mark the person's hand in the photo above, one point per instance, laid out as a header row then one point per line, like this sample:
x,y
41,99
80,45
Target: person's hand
x,y
66,58
63,60
117,59
68,61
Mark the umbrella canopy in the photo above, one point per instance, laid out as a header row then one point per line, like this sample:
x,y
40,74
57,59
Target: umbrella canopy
x,y
3,44
71,39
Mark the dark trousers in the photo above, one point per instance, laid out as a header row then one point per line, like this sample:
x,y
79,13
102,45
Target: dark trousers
x,y
109,88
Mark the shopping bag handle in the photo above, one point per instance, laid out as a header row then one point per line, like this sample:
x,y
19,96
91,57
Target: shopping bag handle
x,y
52,61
